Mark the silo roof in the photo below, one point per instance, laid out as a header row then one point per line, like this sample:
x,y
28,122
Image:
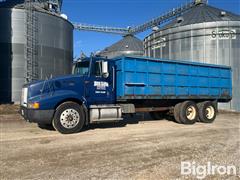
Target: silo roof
x,y
128,43
203,13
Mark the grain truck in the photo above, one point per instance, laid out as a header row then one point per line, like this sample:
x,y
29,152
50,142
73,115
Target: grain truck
x,y
106,90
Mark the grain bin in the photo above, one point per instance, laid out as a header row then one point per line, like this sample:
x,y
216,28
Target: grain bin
x,y
55,48
206,34
129,45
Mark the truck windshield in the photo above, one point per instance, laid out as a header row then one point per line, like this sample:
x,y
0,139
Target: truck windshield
x,y
81,68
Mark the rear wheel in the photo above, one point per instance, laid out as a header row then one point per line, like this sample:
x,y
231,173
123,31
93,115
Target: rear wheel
x,y
69,118
188,112
177,112
207,112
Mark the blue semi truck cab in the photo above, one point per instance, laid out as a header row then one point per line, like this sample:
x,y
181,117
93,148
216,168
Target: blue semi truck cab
x,y
105,90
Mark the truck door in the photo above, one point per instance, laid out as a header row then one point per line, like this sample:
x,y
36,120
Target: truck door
x,y
99,89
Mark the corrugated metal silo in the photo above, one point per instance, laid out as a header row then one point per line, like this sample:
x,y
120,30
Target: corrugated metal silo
x,y
129,45
55,49
204,34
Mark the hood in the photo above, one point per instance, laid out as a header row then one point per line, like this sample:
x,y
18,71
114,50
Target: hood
x,y
67,82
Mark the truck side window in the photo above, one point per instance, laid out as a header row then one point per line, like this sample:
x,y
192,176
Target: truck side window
x,y
81,68
97,69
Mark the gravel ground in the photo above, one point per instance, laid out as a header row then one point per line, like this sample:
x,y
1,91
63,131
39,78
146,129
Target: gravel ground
x,y
9,109
144,149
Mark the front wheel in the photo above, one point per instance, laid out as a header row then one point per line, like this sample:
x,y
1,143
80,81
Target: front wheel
x,y
45,126
69,118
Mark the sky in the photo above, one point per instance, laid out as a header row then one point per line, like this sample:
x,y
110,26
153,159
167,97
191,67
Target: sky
x,y
121,13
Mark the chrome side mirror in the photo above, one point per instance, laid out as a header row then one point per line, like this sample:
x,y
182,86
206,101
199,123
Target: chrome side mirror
x,y
105,72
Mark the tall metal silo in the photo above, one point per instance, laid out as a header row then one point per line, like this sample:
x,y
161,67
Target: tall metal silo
x,y
205,34
129,45
54,48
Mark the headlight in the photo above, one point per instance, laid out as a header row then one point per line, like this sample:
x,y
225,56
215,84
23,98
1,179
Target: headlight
x,y
34,105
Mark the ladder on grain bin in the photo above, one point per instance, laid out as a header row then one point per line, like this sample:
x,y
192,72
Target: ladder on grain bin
x,y
31,44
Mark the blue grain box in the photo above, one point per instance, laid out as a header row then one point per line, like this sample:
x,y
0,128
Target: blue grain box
x,y
148,78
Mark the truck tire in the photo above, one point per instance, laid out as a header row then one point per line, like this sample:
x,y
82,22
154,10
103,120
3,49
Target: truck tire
x,y
45,126
207,112
69,118
188,112
177,113
158,115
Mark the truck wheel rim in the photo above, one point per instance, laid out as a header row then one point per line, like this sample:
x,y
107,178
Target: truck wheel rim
x,y
69,118
191,113
210,112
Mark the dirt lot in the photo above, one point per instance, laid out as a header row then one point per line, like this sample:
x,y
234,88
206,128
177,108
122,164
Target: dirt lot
x,y
9,109
144,149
